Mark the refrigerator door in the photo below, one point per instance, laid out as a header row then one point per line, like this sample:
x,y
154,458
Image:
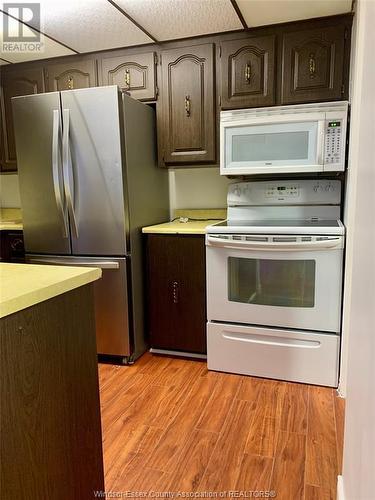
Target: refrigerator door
x,y
92,163
37,126
111,300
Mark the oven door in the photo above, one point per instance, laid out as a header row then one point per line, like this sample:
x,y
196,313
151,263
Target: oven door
x,y
284,281
281,144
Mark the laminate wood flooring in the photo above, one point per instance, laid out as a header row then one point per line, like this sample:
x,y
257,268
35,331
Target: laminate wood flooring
x,y
170,425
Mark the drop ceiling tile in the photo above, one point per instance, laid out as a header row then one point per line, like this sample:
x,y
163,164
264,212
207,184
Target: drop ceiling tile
x,y
263,12
88,25
49,48
170,19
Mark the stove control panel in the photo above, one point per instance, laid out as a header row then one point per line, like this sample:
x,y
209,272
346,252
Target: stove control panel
x,y
288,192
283,191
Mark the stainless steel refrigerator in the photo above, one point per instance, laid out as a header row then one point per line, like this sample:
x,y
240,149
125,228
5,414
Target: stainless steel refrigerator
x,y
88,183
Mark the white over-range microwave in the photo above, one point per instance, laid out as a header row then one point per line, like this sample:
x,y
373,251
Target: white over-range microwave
x,y
284,139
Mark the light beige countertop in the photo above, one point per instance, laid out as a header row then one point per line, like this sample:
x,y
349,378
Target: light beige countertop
x,y
24,285
197,222
11,219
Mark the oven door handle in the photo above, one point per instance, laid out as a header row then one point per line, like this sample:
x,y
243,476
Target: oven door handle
x,y
332,243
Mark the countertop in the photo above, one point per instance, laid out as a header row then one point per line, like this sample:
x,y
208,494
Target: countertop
x,y
24,285
10,219
197,222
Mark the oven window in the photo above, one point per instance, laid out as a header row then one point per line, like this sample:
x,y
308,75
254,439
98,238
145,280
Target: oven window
x,y
285,283
271,146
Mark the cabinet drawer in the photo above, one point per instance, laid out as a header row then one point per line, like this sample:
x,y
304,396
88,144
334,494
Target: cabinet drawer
x,y
297,356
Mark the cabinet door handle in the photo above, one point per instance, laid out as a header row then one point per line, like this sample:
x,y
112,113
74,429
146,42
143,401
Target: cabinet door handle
x,y
248,73
187,105
312,65
175,292
70,83
127,78
17,244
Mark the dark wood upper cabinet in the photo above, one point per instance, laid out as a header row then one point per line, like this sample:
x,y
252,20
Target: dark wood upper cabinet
x,y
187,123
15,82
71,75
248,72
177,292
134,73
313,65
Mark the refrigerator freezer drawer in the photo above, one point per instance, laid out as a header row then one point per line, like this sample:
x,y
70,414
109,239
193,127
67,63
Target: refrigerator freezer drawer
x,y
297,356
111,300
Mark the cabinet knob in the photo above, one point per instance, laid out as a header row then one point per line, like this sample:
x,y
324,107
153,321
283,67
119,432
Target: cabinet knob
x,y
127,78
17,244
187,105
175,292
248,73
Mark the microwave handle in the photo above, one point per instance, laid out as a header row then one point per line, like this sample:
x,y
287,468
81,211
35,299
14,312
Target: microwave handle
x,y
320,142
331,244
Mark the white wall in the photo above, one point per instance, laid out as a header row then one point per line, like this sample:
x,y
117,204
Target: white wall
x,y
197,188
188,188
9,192
358,480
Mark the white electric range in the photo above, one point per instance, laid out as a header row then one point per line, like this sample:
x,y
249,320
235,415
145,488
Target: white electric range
x,y
274,281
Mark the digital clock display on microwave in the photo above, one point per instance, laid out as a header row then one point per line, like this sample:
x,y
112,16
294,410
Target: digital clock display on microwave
x,y
334,124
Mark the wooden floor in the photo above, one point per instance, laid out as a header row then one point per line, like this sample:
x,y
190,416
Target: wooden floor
x,y
171,425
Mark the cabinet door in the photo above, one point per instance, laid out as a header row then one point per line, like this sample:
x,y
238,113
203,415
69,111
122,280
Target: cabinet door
x,y
247,72
133,73
15,83
177,292
71,75
187,125
312,65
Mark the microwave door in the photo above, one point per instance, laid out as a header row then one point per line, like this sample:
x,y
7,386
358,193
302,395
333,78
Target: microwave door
x,y
290,146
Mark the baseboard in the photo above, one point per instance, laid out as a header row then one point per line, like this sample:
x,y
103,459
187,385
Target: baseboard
x,y
340,488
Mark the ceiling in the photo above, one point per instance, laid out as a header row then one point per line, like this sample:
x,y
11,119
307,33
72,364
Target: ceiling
x,y
79,26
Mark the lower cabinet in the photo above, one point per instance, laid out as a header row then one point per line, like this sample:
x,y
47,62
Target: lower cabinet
x,y
177,292
51,436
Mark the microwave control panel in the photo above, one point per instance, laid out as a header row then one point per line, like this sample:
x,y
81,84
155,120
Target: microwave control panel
x,y
333,141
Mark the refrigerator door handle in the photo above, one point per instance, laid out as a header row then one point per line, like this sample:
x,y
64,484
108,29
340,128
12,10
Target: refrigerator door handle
x,y
68,173
55,170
